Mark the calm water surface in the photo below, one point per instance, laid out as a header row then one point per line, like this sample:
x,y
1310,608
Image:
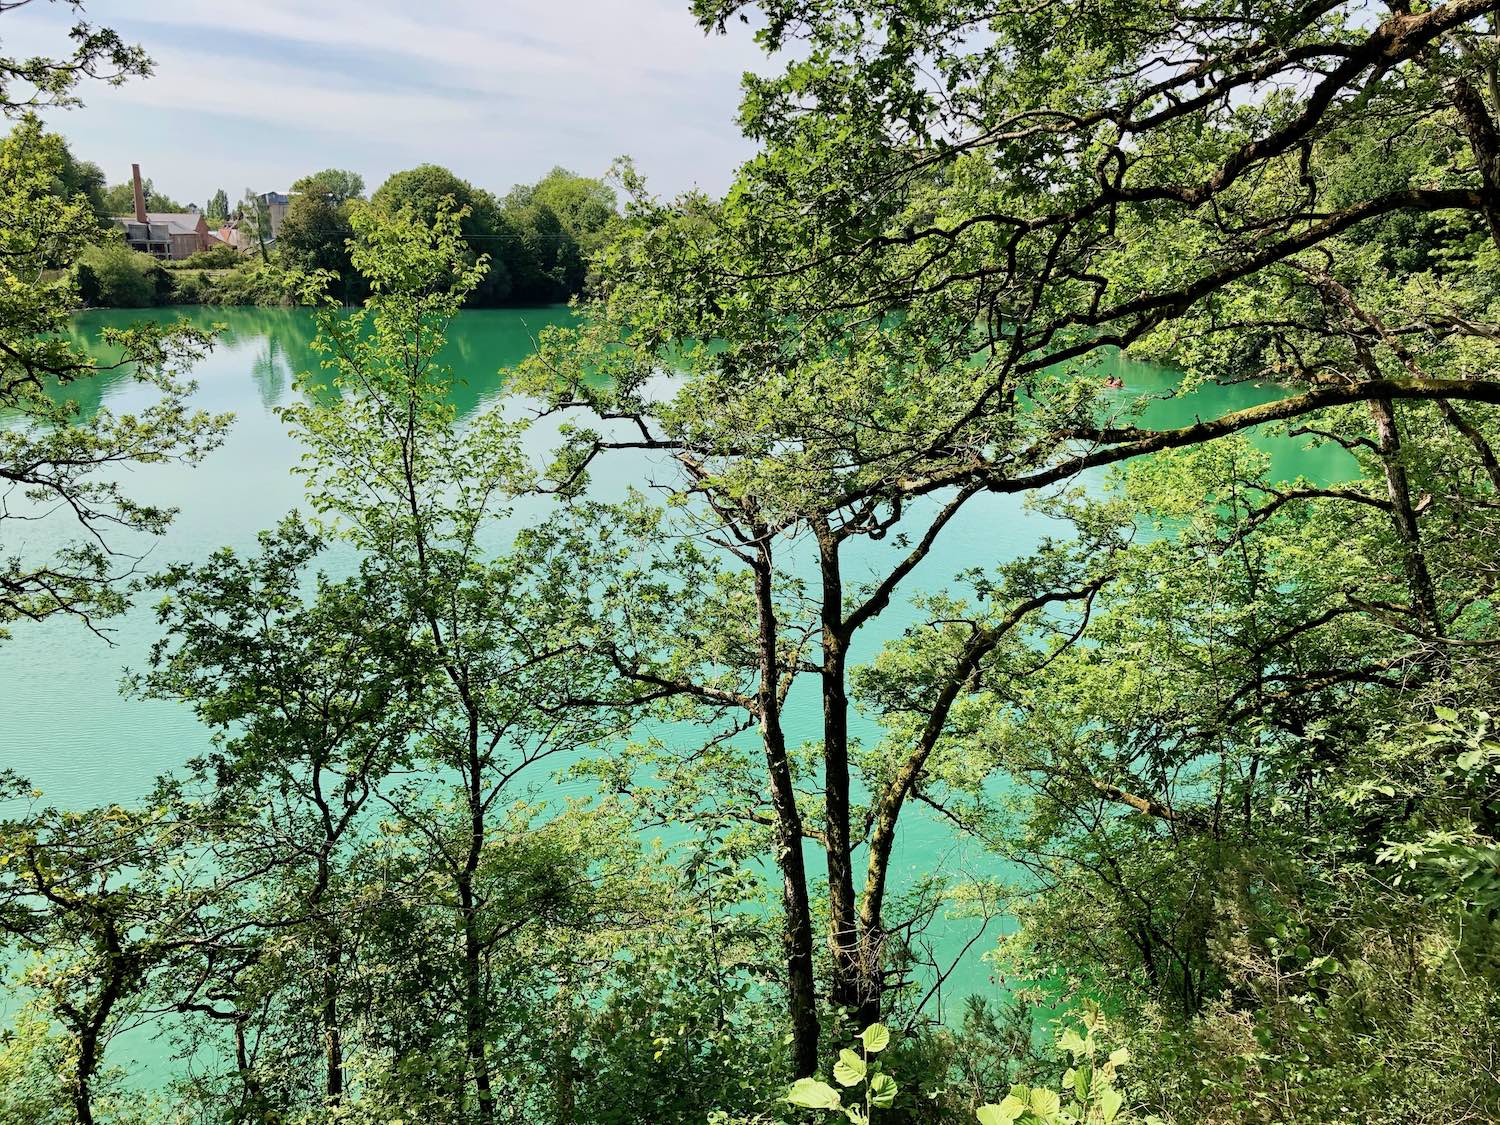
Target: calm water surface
x,y
65,725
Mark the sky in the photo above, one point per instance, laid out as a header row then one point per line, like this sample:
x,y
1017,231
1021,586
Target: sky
x,y
254,95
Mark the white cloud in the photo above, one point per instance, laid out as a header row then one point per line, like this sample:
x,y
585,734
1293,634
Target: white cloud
x,y
283,95
500,91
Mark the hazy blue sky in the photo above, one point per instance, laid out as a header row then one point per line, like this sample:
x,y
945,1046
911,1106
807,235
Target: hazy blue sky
x,y
256,93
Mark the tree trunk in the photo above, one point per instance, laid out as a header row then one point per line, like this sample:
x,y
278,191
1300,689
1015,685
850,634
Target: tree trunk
x,y
95,1018
889,803
333,1048
1404,518
252,1099
850,987
797,936
473,966
333,1044
474,1005
565,1101
1484,143
88,1049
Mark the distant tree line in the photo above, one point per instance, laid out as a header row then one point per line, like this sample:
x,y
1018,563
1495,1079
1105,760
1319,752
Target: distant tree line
x,y
119,199
537,239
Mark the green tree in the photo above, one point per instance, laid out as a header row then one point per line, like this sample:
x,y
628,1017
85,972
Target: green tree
x,y
56,456
541,257
912,289
310,698
97,904
423,191
337,185
315,235
119,199
32,1062
1227,798
414,932
113,276
40,82
420,498
82,177
586,207
255,223
218,206
558,224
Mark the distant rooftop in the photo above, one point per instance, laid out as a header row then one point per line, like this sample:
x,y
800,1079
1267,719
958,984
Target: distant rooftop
x,y
178,222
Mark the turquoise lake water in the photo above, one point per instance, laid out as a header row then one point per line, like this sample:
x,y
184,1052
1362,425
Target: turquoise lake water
x,y
65,725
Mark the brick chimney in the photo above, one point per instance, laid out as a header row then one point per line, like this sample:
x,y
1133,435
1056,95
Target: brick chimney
x,y
140,194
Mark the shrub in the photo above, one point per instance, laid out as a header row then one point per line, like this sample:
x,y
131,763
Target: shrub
x,y
254,283
116,277
214,258
190,288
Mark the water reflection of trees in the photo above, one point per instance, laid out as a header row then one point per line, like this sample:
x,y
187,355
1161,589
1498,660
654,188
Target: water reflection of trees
x,y
84,333
277,344
280,338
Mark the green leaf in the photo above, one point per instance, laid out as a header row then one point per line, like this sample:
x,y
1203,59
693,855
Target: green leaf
x,y
1044,1103
882,1091
876,1038
809,1093
850,1069
1072,1042
1110,1101
1079,1081
1009,1109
